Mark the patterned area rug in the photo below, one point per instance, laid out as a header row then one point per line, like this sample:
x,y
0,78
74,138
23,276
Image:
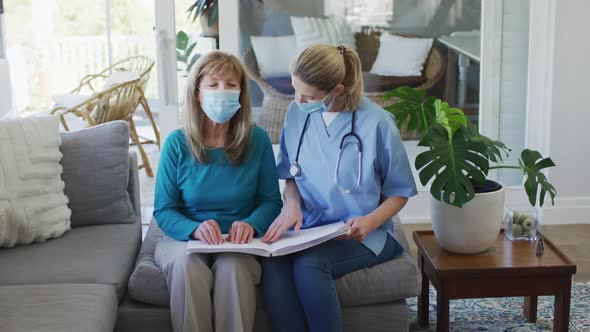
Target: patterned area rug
x,y
505,314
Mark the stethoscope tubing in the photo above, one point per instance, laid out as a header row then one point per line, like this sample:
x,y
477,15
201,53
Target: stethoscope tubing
x,y
359,145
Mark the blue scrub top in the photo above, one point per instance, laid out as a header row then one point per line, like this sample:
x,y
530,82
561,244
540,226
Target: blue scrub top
x,y
386,170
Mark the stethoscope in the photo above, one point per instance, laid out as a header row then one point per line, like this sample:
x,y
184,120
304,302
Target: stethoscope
x,y
295,169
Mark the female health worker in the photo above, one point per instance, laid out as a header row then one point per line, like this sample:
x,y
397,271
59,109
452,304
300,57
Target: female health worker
x,y
343,159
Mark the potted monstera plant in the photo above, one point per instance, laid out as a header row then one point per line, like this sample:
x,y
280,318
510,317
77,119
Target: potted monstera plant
x,y
466,207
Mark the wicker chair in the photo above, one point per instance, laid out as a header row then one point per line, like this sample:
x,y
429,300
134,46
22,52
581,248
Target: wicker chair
x,y
118,102
142,66
434,69
276,103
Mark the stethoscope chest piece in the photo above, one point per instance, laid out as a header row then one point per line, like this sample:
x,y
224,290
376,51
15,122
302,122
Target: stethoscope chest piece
x,y
295,169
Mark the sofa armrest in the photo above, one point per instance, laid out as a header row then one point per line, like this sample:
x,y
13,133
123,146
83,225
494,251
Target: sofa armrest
x,y
133,185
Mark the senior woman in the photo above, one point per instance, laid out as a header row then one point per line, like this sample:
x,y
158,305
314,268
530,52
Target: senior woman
x,y
216,175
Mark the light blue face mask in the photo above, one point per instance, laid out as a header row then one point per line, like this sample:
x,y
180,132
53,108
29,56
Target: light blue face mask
x,y
221,105
316,106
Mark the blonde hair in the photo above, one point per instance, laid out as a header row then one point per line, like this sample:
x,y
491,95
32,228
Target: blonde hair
x,y
238,135
325,66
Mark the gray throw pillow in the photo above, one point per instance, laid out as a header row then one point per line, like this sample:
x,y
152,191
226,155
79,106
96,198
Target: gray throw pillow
x,y
96,173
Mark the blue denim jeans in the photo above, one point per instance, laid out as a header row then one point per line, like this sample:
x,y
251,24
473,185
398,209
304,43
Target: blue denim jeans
x,y
300,291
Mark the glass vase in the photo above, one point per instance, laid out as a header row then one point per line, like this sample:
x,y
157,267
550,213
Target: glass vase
x,y
521,224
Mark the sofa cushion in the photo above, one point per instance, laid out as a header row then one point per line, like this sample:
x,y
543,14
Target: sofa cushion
x,y
390,281
57,308
318,30
85,255
378,83
274,54
282,84
96,173
372,83
147,283
135,316
401,56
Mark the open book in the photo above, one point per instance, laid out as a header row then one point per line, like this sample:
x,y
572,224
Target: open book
x,y
289,242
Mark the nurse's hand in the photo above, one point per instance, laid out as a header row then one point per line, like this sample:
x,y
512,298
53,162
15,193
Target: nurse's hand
x,y
240,232
360,227
290,217
208,232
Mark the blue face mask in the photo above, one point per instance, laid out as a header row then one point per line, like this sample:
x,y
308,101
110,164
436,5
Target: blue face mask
x,y
316,106
221,105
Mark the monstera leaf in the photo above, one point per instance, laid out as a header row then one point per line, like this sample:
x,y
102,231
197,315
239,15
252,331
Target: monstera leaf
x,y
448,117
532,163
493,149
459,156
181,40
454,164
412,106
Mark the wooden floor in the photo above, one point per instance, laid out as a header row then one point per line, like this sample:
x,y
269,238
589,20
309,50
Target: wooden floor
x,y
573,240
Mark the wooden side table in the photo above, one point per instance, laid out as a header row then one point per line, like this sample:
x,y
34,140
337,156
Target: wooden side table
x,y
507,269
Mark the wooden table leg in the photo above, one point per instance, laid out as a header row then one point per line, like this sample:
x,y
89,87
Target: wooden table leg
x,y
561,311
530,308
423,305
442,310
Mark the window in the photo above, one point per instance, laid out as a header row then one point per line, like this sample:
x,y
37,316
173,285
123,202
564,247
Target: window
x,y
2,48
52,44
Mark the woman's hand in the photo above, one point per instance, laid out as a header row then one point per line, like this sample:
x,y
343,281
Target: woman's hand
x,y
290,217
241,232
360,227
208,232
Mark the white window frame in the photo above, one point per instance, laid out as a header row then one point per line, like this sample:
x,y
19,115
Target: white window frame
x,y
165,39
107,6
2,37
229,26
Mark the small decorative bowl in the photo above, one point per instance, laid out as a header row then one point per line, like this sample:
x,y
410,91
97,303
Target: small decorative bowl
x,y
521,224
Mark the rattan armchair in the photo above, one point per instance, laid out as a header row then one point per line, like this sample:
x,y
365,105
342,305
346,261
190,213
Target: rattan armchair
x,y
118,102
276,103
142,66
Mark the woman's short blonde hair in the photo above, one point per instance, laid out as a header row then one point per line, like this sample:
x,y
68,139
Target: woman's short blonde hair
x,y
222,64
325,66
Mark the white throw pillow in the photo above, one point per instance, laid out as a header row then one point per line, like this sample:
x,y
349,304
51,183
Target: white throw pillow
x,y
33,206
68,100
400,56
118,77
274,54
314,30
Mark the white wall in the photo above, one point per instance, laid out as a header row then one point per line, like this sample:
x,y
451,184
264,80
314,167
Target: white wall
x,y
569,141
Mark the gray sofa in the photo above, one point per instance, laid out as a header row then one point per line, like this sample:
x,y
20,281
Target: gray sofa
x,y
372,299
100,277
76,282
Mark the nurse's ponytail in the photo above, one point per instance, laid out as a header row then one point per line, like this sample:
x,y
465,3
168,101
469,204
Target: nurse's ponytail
x,y
324,66
353,80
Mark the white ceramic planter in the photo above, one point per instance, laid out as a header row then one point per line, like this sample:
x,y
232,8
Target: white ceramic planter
x,y
471,229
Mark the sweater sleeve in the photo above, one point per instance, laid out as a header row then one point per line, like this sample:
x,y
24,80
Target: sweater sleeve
x,y
268,201
167,204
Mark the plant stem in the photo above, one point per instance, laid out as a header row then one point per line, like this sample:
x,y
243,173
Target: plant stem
x,y
423,113
512,167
